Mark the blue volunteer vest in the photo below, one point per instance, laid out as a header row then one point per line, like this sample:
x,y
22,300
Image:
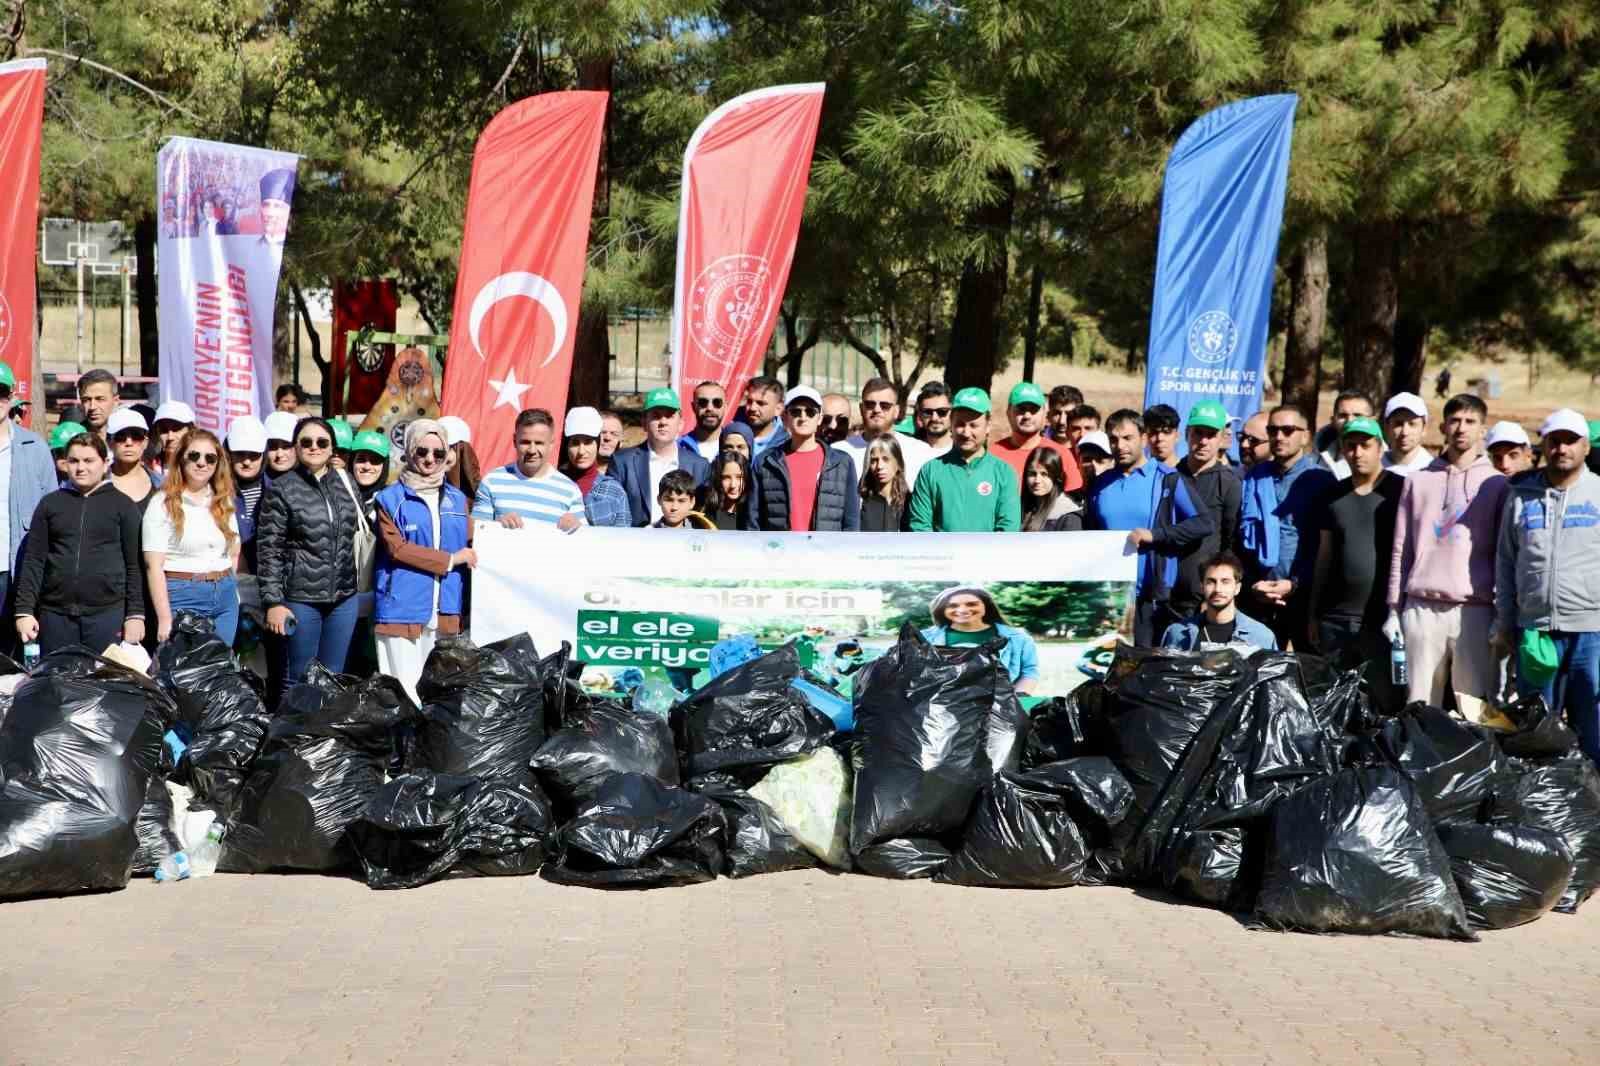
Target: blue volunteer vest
x,y
404,594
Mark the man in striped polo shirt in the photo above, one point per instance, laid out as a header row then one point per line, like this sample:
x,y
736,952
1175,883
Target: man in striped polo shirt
x,y
530,489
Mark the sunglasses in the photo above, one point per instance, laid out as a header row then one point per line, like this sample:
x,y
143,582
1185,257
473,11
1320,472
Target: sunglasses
x,y
804,410
280,445
1249,440
423,453
714,402
833,420
1284,431
878,405
245,457
312,444
935,412
201,458
125,436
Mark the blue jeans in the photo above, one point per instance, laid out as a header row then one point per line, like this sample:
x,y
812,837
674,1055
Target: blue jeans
x,y
322,631
1576,687
216,600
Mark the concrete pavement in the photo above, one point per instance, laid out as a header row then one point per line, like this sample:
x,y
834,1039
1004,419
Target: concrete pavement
x,y
805,968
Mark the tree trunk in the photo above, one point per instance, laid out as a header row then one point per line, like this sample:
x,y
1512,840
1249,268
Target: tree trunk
x,y
974,352
1374,303
591,349
1308,318
1410,353
313,339
144,287
1030,342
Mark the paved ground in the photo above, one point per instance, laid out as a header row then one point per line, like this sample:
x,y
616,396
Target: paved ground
x,y
800,967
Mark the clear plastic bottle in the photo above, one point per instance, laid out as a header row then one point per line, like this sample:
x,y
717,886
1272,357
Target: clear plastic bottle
x,y
1399,673
655,696
174,867
204,855
30,655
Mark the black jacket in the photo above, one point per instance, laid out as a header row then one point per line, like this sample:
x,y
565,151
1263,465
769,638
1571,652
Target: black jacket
x,y
305,540
1217,492
838,503
82,555
878,515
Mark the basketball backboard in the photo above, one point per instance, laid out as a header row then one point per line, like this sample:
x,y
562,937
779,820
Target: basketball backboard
x,y
104,247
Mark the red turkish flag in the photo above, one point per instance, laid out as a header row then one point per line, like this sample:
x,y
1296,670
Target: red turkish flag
x,y
744,187
21,131
522,258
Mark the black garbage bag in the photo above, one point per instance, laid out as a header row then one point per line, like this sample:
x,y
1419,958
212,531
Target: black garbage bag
x,y
221,710
1058,729
1562,796
78,751
606,738
903,859
561,688
1355,853
1507,874
1162,699
1451,761
638,832
482,709
1540,734
1345,705
748,719
1202,839
757,841
933,724
323,760
423,826
1038,829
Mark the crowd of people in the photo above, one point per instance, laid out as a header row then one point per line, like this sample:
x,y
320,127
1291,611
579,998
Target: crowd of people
x,y
1478,565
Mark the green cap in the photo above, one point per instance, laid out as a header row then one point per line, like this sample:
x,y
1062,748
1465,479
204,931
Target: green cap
x,y
343,434
63,433
1594,423
1210,414
972,399
1364,424
662,397
8,377
1026,392
371,441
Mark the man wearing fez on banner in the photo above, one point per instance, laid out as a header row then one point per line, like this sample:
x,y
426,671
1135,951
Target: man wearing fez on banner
x,y
277,191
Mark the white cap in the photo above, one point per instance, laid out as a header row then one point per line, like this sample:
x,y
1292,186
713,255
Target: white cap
x,y
247,434
125,418
582,422
280,425
1508,433
1095,439
175,411
802,392
456,430
1565,420
1406,401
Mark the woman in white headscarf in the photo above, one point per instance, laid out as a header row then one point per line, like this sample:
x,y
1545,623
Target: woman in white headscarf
x,y
424,528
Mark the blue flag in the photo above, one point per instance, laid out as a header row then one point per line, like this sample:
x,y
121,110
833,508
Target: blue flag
x,y
1221,210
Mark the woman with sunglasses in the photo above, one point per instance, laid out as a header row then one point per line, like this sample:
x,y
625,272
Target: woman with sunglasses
x,y
130,473
191,540
424,528
305,559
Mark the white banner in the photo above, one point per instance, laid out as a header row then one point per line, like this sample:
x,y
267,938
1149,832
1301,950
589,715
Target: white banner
x,y
648,597
224,212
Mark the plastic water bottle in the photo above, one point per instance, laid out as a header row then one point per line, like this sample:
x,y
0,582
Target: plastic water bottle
x,y
30,655
655,696
1398,672
174,867
204,855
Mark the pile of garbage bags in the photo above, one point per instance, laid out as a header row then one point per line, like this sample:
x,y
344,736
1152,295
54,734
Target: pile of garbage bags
x,y
1266,785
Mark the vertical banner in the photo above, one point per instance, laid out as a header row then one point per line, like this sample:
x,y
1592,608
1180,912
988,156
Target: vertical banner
x,y
744,186
224,212
1221,210
21,131
522,259
358,382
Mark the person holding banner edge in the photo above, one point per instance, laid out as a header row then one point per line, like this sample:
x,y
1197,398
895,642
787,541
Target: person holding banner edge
x,y
530,489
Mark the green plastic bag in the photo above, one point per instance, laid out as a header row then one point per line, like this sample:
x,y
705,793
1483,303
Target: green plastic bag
x,y
1537,658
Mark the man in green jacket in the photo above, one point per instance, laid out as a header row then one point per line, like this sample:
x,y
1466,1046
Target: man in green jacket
x,y
967,490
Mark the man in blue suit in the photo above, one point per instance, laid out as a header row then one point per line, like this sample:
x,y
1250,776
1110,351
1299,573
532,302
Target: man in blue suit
x,y
639,469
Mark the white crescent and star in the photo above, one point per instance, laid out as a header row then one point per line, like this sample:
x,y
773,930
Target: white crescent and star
x,y
508,392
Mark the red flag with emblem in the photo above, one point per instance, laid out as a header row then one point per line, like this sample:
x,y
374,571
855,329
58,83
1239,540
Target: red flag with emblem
x,y
744,187
21,130
522,258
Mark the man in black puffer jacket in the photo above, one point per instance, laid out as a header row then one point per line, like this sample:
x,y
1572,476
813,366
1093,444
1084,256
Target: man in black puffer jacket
x,y
804,485
305,559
